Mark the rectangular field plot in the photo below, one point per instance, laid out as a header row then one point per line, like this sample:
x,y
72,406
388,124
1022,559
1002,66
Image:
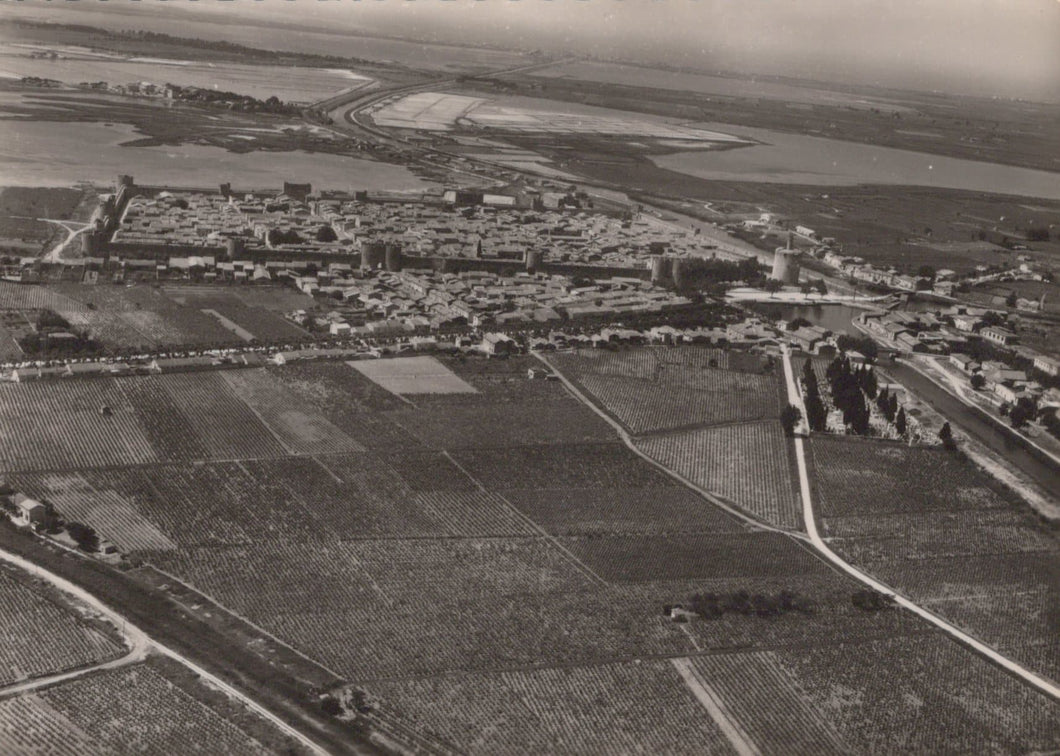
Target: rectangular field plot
x,y
560,466
660,558
164,423
63,425
860,477
921,695
348,400
748,464
474,423
612,708
39,637
145,712
222,423
767,704
413,375
717,397
646,510
300,428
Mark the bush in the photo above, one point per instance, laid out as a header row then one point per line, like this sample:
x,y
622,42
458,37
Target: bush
x,y
789,418
330,706
84,535
871,601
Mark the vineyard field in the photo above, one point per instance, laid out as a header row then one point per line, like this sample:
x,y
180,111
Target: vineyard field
x,y
719,397
942,534
30,725
144,713
40,637
164,424
747,464
225,426
922,695
104,508
493,424
48,425
559,466
767,703
348,400
659,388
659,558
656,509
612,708
299,427
406,608
857,476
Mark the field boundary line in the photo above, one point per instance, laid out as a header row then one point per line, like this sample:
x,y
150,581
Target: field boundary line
x,y
628,441
283,444
1043,684
136,655
138,637
225,610
581,566
713,705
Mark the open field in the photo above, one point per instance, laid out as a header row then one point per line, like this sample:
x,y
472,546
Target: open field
x,y
936,529
146,711
436,111
469,580
646,393
413,375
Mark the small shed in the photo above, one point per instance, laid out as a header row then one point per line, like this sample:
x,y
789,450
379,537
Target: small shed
x,y
28,511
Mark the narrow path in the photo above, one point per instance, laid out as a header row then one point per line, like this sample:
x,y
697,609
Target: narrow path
x,y
137,654
578,564
1042,684
710,701
138,639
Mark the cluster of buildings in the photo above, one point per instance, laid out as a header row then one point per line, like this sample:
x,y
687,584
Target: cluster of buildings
x,y
409,300
484,226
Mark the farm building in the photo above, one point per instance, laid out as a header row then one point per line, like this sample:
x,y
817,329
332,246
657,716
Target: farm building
x,y
28,511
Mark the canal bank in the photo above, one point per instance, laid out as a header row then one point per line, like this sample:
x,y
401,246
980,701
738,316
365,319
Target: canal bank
x,y
1017,451
1014,448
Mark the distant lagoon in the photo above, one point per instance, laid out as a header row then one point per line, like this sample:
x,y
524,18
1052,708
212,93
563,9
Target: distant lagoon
x,y
46,153
796,159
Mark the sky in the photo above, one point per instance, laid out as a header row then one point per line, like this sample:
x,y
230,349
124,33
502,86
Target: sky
x,y
1007,48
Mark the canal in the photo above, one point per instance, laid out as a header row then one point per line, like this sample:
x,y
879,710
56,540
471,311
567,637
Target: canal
x,y
1016,449
1001,439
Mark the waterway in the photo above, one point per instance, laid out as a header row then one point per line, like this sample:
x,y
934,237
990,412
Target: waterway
x,y
782,158
1014,448
834,317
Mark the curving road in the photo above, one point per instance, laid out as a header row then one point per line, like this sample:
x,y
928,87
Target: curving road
x,y
1044,685
140,643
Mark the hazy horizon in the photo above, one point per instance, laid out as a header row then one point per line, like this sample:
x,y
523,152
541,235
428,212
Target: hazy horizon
x,y
981,47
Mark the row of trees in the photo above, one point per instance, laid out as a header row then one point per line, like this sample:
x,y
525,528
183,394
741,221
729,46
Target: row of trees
x,y
887,403
816,414
714,605
850,387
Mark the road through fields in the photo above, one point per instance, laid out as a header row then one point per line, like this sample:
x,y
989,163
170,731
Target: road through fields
x,y
1044,685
